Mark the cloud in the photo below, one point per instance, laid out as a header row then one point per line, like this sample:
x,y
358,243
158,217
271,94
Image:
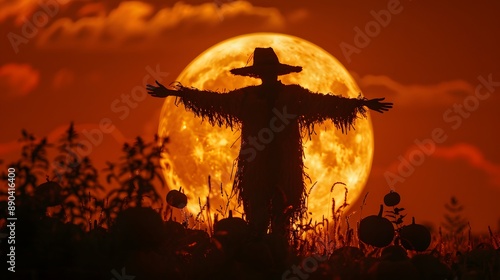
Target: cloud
x,y
22,10
418,155
473,156
92,9
19,10
137,24
18,79
444,93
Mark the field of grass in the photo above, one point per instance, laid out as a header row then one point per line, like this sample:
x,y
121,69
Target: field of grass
x,y
69,227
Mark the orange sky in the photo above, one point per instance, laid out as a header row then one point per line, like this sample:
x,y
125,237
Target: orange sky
x,y
73,61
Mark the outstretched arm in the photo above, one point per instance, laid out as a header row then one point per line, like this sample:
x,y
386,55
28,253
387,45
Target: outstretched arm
x,y
219,109
343,111
378,106
161,91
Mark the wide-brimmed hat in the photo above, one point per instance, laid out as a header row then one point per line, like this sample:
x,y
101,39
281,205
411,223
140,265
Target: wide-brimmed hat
x,y
265,61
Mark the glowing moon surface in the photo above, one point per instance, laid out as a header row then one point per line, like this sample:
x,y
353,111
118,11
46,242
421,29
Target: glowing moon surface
x,y
198,150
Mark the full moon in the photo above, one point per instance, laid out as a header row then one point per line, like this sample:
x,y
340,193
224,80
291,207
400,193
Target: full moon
x,y
198,150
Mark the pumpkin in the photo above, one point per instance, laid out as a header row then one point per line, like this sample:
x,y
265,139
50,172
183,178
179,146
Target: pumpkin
x,y
231,226
139,228
231,233
394,253
49,194
392,270
376,230
415,237
394,263
176,199
195,241
392,198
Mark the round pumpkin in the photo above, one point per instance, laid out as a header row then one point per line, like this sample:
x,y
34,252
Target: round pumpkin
x,y
231,233
49,193
231,226
392,198
394,263
388,270
376,230
176,199
139,228
394,253
195,241
415,237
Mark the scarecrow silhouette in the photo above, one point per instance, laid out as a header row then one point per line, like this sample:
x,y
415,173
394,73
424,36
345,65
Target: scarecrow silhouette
x,y
272,117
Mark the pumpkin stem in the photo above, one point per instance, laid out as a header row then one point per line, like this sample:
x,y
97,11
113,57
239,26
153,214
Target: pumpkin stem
x,y
381,211
413,220
230,213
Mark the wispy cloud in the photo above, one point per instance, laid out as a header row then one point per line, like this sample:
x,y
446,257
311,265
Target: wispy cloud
x,y
137,24
464,152
443,93
473,156
18,79
18,10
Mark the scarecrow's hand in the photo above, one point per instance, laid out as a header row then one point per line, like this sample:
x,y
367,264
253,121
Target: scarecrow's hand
x,y
159,91
376,105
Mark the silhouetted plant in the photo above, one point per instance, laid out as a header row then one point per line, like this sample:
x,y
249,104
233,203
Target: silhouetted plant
x,y
224,208
454,223
135,174
396,215
327,231
158,249
78,177
337,215
32,164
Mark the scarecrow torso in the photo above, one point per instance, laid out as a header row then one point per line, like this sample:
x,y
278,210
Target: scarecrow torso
x,y
269,120
271,147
